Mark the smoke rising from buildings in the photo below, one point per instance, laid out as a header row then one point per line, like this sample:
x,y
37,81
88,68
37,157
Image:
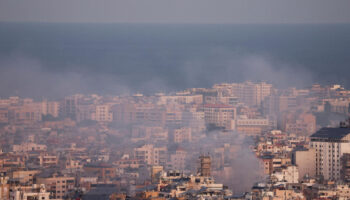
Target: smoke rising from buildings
x,y
244,169
27,77
233,161
234,66
110,59
30,77
150,67
119,101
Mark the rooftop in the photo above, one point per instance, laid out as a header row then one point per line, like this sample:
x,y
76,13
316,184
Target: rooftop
x,y
331,133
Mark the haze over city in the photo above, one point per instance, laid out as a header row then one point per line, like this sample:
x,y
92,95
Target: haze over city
x,y
165,99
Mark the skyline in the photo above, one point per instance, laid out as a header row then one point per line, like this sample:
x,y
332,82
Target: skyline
x,y
242,126
174,99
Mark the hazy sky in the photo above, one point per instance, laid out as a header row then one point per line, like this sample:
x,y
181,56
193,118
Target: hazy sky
x,y
176,11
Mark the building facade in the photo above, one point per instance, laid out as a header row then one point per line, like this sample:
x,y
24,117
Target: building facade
x,y
330,145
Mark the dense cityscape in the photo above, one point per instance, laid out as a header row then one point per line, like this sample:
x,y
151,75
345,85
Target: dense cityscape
x,y
249,140
174,100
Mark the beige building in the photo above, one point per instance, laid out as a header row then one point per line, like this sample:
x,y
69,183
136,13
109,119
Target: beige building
x,y
4,115
181,99
343,192
48,160
50,108
132,113
103,113
151,134
220,115
252,126
249,93
25,147
338,105
58,186
25,176
282,194
151,155
35,192
299,123
228,100
85,112
182,135
178,160
25,114
305,160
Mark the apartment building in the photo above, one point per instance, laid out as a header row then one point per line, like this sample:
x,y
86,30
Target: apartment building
x,y
4,116
26,147
249,93
220,115
183,134
178,160
330,145
252,126
27,113
305,160
103,113
50,108
25,176
151,154
298,123
181,99
30,192
58,185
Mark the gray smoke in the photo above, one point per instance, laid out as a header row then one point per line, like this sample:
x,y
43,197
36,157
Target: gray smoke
x,y
241,168
245,169
222,65
29,77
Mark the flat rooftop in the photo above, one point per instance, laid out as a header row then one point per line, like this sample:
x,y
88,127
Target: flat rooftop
x,y
331,133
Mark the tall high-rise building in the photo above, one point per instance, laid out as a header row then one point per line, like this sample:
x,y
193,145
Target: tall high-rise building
x,y
330,145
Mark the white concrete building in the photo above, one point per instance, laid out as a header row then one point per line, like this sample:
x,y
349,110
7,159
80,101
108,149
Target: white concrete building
x,y
289,175
330,144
